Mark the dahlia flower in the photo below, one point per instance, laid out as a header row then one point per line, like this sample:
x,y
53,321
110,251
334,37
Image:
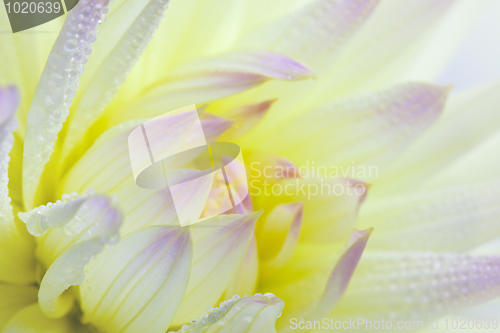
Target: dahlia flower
x,y
326,99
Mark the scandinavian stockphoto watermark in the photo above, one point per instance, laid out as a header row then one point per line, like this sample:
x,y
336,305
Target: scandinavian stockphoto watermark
x,y
171,152
309,180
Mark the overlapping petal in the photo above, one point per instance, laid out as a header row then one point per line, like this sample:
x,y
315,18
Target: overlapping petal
x,y
219,245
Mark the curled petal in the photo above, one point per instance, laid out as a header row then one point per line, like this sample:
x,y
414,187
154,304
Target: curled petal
x,y
138,284
84,225
281,232
219,245
330,205
254,314
56,88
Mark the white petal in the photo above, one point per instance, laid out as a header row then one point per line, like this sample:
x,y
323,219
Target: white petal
x,y
56,88
416,285
114,66
219,245
255,314
392,48
137,285
456,218
365,130
314,32
468,120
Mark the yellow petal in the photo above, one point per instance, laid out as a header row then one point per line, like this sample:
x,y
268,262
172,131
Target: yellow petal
x,y
330,204
280,233
137,285
219,245
13,299
32,320
16,257
255,314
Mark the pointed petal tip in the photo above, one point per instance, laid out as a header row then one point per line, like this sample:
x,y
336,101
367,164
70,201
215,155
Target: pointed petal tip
x,y
360,188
